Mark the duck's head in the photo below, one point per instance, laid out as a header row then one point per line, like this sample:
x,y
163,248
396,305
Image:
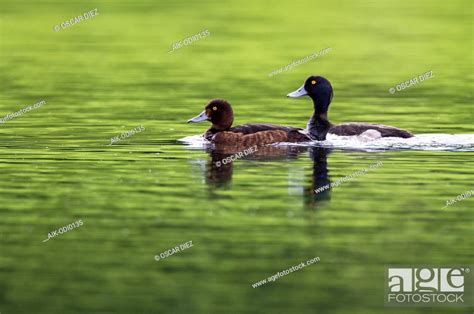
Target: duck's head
x,y
219,112
319,89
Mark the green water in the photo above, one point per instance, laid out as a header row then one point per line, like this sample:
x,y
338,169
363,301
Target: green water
x,y
249,220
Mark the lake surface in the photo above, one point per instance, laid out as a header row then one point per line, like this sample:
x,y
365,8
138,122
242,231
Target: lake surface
x,y
257,216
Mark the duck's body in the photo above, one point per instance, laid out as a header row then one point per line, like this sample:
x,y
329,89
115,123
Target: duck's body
x,y
258,134
353,128
320,91
220,113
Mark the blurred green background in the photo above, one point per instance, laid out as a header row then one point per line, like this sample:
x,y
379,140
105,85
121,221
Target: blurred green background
x,y
150,193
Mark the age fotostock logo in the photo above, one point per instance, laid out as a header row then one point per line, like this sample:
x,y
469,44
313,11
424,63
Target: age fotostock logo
x,y
428,286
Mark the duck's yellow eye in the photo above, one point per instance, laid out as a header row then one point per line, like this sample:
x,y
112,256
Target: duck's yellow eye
x,y
214,108
313,82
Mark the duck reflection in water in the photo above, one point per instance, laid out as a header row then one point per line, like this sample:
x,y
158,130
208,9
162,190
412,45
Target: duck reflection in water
x,y
219,168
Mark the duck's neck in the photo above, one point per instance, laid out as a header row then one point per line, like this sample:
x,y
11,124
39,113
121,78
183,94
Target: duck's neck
x,y
319,125
223,124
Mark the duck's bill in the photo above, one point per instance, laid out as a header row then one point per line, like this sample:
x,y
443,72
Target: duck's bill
x,y
201,117
298,93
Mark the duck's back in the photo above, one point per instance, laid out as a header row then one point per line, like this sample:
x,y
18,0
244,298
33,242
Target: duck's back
x,y
251,128
353,128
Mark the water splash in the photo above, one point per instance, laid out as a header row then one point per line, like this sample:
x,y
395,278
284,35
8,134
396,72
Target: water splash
x,y
434,142
195,142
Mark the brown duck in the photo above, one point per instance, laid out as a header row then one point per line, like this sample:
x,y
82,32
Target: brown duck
x,y
220,113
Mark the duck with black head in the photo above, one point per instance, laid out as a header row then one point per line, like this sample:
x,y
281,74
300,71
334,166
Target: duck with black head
x,y
320,91
219,112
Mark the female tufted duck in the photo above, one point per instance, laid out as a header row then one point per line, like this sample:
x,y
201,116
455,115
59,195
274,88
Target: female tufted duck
x,y
320,91
220,113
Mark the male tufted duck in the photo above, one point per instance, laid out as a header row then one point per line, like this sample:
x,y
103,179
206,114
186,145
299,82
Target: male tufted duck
x,y
320,91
